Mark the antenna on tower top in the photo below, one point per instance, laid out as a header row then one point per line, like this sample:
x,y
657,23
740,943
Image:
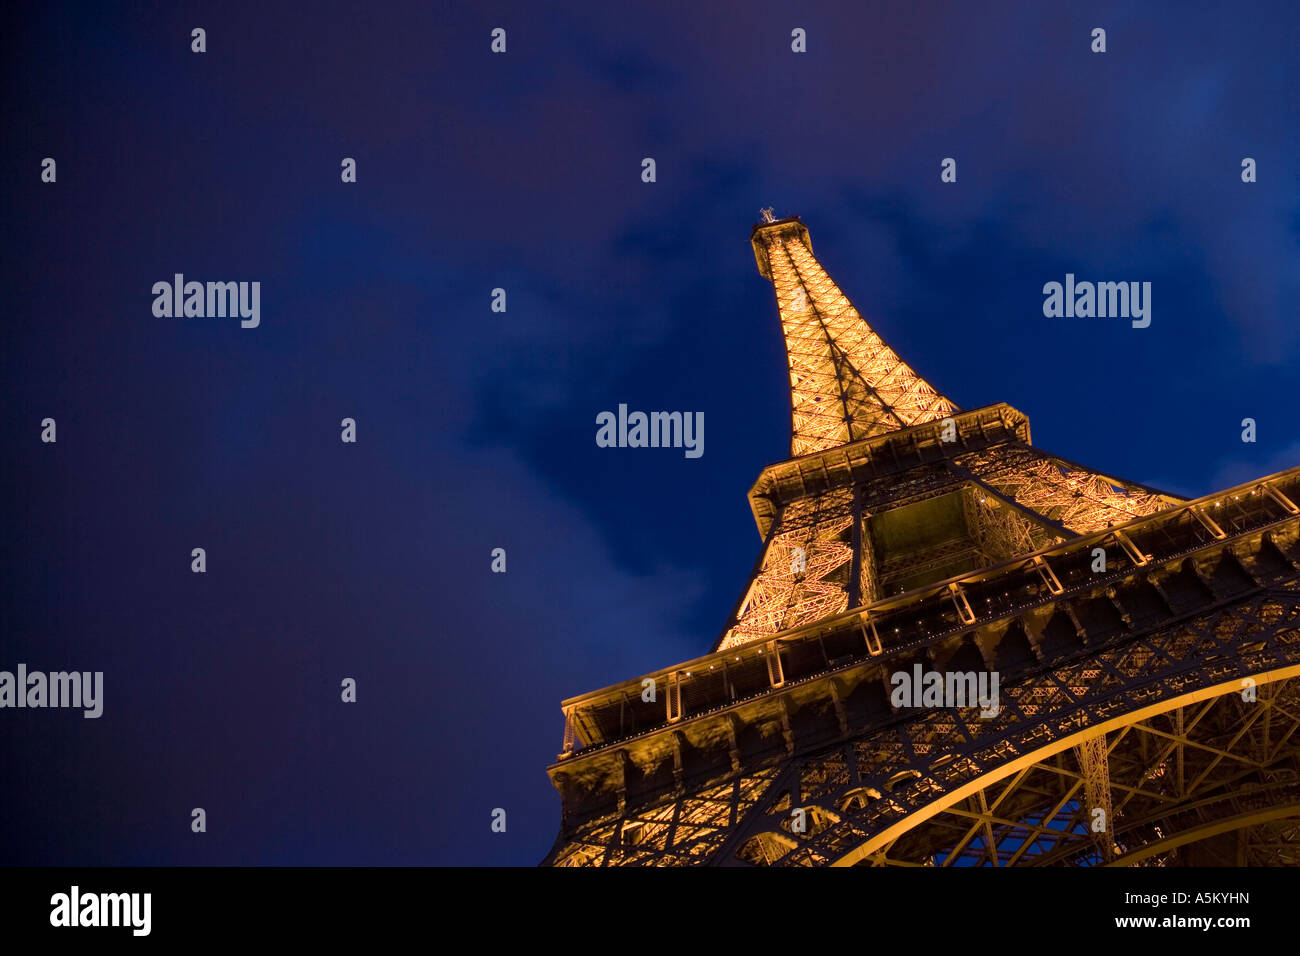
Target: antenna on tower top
x,y
767,214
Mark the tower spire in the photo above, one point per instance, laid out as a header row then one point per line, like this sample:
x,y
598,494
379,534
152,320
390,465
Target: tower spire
x,y
846,384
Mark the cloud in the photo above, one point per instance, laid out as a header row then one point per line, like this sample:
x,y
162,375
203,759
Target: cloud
x,y
1237,471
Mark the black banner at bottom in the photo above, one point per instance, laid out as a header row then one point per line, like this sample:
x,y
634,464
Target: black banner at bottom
x,y
333,905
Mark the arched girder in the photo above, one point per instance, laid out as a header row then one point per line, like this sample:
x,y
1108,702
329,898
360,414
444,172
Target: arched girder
x,y
1283,811
1021,765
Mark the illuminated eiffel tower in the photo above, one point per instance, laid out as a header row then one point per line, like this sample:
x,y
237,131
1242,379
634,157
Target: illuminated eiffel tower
x,y
1147,650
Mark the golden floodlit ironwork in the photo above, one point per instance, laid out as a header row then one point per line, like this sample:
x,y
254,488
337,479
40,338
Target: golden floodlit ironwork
x,y
1148,649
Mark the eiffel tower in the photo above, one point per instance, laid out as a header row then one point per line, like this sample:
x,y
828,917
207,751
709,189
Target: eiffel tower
x,y
1147,650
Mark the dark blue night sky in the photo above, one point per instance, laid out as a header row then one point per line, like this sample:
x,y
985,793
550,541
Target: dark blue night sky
x,y
476,429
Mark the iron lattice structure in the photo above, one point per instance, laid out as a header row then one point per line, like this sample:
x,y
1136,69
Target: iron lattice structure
x,y
1147,649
